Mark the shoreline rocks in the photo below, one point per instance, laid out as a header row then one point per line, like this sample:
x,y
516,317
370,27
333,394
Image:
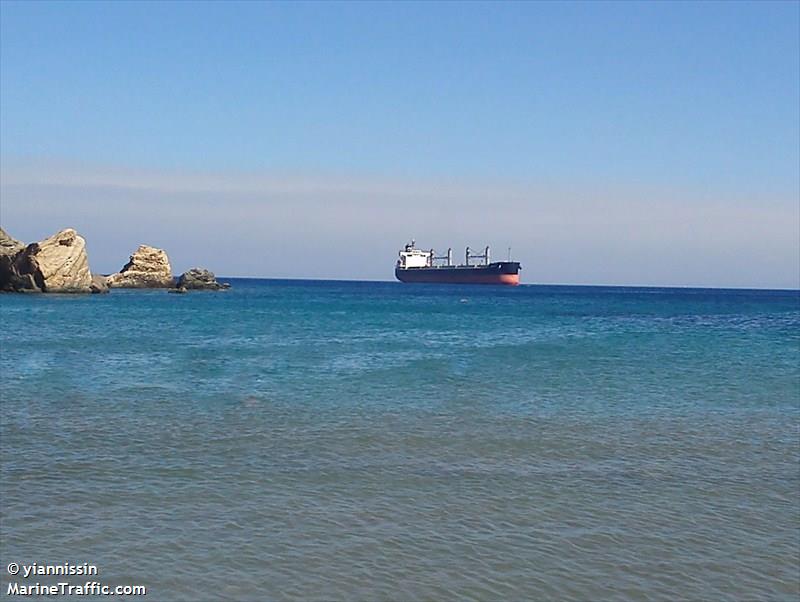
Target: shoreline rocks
x,y
58,264
148,268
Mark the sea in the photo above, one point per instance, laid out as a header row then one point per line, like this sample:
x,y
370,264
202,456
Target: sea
x,y
321,440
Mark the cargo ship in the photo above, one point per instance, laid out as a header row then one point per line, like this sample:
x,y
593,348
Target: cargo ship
x,y
416,265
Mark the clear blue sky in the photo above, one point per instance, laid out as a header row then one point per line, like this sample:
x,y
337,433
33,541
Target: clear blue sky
x,y
684,102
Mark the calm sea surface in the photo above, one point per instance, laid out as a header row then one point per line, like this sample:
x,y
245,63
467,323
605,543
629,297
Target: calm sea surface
x,y
292,440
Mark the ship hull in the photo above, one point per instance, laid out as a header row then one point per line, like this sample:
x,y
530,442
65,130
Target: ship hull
x,y
503,272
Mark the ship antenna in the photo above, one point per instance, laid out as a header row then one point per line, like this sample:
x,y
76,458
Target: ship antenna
x,y
509,253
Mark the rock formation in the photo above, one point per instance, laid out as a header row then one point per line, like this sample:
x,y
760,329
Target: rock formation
x,y
148,268
59,265
54,265
99,284
9,245
200,279
9,248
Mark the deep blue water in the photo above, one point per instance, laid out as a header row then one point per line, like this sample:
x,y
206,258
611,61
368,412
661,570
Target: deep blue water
x,y
296,440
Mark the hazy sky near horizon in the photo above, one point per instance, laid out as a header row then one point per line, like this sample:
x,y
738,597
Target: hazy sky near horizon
x,y
607,143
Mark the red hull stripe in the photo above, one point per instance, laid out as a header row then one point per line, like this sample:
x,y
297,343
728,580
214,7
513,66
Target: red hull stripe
x,y
464,278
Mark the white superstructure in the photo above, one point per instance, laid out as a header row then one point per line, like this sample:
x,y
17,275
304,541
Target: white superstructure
x,y
411,257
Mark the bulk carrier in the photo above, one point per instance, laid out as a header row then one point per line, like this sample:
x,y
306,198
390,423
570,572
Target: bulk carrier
x,y
416,265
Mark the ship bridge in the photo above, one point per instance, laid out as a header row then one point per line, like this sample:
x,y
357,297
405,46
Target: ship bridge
x,y
411,257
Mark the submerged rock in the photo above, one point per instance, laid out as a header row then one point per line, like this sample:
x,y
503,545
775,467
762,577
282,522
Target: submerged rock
x,y
200,279
148,268
58,264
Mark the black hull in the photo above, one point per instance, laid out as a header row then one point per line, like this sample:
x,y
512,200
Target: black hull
x,y
500,272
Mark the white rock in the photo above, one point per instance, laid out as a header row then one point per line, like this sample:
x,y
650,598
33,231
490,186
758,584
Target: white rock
x,y
148,268
58,264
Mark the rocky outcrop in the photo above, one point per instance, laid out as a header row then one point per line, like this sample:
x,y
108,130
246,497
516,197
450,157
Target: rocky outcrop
x,y
200,279
99,284
9,248
63,262
58,264
8,245
148,268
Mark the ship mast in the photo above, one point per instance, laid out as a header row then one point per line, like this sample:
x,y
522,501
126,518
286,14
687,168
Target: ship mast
x,y
486,256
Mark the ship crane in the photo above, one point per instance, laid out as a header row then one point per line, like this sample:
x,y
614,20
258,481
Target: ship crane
x,y
486,256
448,259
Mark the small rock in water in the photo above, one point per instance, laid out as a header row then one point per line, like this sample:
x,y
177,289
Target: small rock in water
x,y
200,279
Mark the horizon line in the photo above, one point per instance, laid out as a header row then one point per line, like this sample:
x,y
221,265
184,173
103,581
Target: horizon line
x,y
530,284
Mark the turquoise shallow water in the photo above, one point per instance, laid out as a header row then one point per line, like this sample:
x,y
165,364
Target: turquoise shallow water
x,y
294,440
